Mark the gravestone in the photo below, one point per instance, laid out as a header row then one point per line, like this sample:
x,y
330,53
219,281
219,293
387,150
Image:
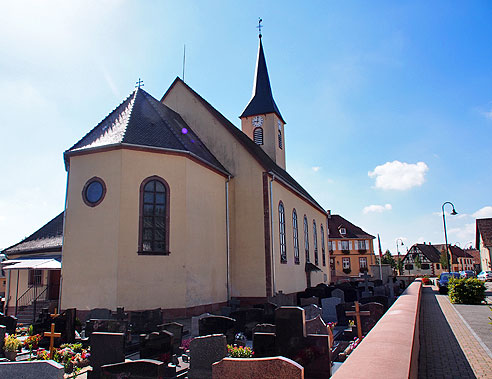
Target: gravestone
x,y
265,368
177,330
377,282
120,314
343,320
204,351
380,291
146,321
316,326
280,299
365,294
268,312
351,294
68,333
246,320
338,293
139,369
391,298
157,345
368,322
264,344
3,329
34,369
290,323
217,325
10,323
309,300
99,313
264,328
383,300
329,308
225,311
312,311
106,348
194,324
107,326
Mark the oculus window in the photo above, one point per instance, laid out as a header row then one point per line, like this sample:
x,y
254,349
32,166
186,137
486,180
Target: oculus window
x,y
94,191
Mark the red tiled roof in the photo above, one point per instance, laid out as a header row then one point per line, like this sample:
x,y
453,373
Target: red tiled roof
x,y
484,228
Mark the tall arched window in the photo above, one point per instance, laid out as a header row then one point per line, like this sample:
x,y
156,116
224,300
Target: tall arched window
x,y
315,238
279,139
281,226
295,234
258,136
323,253
154,217
306,238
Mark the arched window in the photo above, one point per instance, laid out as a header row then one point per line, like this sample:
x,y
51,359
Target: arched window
x,y
323,253
154,217
315,238
279,139
258,136
281,226
306,238
295,231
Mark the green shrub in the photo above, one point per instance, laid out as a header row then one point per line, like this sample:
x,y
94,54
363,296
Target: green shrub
x,y
466,291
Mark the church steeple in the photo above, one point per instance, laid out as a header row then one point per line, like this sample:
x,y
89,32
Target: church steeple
x,y
261,120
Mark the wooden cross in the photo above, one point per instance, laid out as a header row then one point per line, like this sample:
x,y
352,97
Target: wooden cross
x,y
259,26
56,314
139,83
357,315
52,336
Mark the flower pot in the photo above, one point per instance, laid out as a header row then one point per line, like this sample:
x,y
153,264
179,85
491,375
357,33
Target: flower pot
x,y
11,355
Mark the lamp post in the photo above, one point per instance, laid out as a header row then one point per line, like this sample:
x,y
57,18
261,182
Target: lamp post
x,y
453,212
398,262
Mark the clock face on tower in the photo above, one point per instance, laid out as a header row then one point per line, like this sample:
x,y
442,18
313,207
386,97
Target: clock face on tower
x,y
257,121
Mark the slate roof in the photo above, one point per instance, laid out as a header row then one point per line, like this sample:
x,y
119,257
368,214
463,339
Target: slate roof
x,y
484,228
48,238
475,254
430,251
141,120
256,151
262,101
352,231
455,251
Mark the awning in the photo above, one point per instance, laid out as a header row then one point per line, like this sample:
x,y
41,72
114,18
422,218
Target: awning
x,y
25,264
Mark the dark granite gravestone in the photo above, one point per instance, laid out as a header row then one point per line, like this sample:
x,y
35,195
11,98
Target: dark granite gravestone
x,y
337,292
309,300
234,303
317,292
376,299
377,282
140,369
68,333
10,323
204,351
120,314
350,294
157,345
290,324
107,326
99,313
217,325
246,320
177,330
329,309
106,348
343,320
145,321
194,324
368,322
264,344
3,329
264,328
64,323
312,311
379,291
268,312
281,299
316,326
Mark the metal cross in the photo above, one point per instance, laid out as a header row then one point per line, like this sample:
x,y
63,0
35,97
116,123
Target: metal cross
x,y
259,26
139,84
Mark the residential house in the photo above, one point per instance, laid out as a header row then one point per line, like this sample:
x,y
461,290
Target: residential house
x,y
422,259
483,242
460,259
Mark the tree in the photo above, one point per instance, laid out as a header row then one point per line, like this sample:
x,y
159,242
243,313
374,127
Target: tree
x,y
389,259
417,261
444,260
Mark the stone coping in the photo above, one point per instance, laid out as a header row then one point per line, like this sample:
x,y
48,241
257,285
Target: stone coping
x,y
396,335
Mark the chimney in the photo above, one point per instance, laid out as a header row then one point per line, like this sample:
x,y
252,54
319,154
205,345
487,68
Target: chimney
x,y
328,212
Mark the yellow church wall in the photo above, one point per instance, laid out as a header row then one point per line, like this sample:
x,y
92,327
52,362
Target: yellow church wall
x,y
291,277
90,245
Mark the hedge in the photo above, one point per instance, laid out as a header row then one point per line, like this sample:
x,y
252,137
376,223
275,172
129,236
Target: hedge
x,y
466,291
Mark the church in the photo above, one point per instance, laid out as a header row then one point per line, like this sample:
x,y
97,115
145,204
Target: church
x,y
169,205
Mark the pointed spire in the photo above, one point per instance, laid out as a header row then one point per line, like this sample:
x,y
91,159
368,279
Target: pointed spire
x,y
262,101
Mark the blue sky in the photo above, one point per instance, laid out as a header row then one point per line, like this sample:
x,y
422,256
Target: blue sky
x,y
388,105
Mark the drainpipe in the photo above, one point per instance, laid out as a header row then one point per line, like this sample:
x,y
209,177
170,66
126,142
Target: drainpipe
x,y
7,294
274,290
17,293
228,261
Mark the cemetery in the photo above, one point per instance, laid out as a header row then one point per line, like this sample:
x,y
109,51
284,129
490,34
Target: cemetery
x,y
310,335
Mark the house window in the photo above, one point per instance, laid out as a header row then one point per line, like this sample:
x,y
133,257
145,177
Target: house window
x,y
258,136
331,246
332,263
345,245
315,238
438,266
425,266
323,253
35,277
306,238
295,231
361,245
154,217
343,231
409,266
346,263
281,226
363,262
94,191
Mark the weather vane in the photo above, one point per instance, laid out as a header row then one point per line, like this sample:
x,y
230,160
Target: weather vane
x,y
259,26
139,84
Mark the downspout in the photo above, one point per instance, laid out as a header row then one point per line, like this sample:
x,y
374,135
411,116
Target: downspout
x,y
7,295
274,290
228,253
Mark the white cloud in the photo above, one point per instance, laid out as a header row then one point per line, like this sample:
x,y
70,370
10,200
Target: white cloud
x,y
484,212
377,208
316,168
398,175
465,233
488,114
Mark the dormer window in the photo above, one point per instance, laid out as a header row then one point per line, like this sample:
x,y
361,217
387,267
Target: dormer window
x,y
343,231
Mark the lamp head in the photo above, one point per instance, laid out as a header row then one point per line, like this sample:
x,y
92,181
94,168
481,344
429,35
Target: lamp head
x,y
453,212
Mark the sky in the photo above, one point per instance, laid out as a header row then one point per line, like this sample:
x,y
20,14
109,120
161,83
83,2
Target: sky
x,y
388,104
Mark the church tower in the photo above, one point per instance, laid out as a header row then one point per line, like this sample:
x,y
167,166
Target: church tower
x,y
261,120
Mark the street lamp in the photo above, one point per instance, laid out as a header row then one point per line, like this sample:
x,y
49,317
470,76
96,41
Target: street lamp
x,y
453,212
398,251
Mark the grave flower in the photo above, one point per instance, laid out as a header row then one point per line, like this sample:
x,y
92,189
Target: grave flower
x,y
239,351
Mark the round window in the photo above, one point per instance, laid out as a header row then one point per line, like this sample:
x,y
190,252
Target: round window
x,y
94,191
